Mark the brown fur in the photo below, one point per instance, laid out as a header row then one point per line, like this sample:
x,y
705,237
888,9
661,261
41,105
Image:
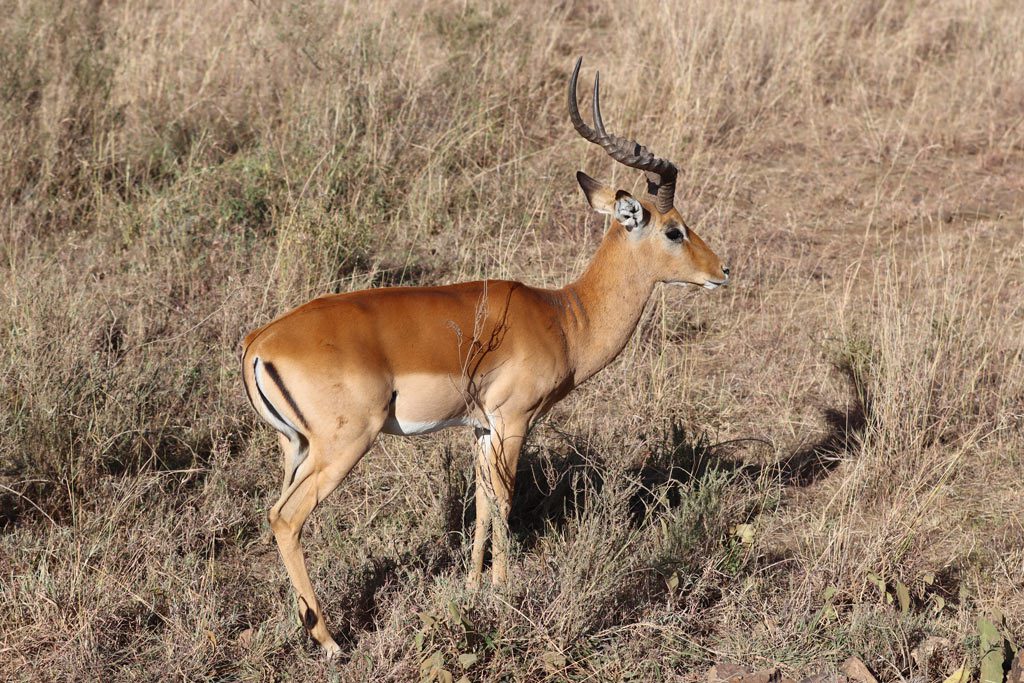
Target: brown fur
x,y
492,354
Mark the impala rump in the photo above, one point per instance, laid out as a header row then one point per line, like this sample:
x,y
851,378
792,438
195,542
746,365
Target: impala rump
x,y
271,412
274,415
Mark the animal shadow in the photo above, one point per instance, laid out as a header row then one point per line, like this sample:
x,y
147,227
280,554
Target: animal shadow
x,y
555,486
552,490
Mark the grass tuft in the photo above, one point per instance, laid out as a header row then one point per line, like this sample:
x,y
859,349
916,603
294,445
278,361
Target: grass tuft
x,y
817,462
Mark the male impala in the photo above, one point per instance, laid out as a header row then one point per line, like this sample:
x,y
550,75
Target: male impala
x,y
494,355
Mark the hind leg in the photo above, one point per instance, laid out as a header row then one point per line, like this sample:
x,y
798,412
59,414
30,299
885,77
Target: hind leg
x,y
325,466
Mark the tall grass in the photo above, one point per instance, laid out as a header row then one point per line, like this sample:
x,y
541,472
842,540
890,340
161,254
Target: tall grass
x,y
848,415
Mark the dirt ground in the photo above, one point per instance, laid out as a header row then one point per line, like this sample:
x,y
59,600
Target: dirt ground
x,y
821,461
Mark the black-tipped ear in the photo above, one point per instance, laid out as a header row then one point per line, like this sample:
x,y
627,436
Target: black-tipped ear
x,y
589,185
600,198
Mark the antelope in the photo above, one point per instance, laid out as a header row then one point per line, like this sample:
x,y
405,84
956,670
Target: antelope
x,y
492,355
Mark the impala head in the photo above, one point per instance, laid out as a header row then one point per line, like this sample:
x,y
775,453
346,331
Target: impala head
x,y
663,241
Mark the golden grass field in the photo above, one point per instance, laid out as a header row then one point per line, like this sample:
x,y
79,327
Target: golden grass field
x,y
824,459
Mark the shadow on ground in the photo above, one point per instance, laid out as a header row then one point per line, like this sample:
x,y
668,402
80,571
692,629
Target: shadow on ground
x,y
577,470
555,488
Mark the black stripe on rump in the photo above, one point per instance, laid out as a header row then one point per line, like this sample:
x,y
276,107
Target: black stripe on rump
x,y
272,371
266,401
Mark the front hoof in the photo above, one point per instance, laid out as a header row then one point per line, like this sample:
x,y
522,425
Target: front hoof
x,y
331,651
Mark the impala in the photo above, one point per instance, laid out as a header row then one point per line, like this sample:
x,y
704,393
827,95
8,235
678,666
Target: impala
x,y
494,355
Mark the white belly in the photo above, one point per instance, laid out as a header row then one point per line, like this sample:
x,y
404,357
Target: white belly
x,y
427,403
396,425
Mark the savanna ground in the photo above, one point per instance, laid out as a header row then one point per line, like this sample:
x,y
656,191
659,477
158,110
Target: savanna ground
x,y
824,459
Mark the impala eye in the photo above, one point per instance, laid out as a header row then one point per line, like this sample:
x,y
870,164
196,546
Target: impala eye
x,y
674,234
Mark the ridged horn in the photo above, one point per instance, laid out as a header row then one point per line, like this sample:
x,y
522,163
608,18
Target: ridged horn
x,y
661,173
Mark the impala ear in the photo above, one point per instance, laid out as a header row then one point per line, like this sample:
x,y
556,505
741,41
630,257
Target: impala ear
x,y
629,212
601,198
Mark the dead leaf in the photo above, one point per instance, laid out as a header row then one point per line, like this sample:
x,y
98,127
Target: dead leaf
x,y
457,616
468,659
858,671
745,533
431,667
990,646
554,662
903,594
453,610
958,676
245,638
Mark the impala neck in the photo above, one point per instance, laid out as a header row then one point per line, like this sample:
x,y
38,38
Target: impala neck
x,y
604,305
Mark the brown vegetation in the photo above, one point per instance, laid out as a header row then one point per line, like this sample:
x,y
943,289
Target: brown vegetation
x,y
823,460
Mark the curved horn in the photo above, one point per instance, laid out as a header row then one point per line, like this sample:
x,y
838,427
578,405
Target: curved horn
x,y
582,128
661,173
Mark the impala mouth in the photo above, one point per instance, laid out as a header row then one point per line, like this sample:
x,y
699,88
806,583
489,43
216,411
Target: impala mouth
x,y
707,284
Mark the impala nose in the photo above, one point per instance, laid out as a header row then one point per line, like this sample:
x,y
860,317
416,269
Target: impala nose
x,y
725,269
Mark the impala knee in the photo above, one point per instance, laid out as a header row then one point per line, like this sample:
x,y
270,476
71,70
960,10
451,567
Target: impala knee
x,y
278,524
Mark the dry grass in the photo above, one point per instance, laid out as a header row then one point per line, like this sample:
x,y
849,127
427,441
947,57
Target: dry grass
x,y
174,174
